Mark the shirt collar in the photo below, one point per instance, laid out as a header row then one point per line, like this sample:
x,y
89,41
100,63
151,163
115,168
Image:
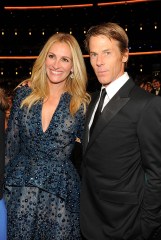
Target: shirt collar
x,y
115,85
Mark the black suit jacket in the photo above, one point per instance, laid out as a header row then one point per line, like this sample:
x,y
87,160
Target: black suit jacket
x,y
2,150
121,171
154,92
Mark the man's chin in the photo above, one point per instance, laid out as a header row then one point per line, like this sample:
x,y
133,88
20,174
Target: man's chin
x,y
103,80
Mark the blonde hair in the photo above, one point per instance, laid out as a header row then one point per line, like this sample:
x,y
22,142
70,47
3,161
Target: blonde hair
x,y
4,105
75,86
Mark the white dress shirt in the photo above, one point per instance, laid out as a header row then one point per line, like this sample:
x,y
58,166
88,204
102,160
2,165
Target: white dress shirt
x,y
111,90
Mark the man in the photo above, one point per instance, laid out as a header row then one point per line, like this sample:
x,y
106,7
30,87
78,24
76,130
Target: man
x,y
121,171
156,86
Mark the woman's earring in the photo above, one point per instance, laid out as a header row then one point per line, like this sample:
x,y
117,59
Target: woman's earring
x,y
71,75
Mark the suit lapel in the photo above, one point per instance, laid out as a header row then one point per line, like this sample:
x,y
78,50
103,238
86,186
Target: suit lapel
x,y
119,100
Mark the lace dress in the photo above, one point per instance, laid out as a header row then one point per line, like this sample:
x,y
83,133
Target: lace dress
x,y
41,184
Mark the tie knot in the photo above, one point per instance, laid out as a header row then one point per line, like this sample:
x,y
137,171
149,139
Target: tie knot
x,y
99,109
103,93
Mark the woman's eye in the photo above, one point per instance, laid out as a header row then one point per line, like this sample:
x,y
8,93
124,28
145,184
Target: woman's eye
x,y
65,60
50,55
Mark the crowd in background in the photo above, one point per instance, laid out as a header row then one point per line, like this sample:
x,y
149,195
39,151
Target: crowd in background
x,y
151,84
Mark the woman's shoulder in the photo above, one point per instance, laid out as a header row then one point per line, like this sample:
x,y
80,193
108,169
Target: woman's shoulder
x,y
22,91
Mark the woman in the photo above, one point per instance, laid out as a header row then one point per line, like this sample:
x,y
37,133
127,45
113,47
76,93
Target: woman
x,y
3,214
42,185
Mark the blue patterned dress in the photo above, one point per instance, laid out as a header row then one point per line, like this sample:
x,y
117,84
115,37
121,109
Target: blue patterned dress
x,y
41,183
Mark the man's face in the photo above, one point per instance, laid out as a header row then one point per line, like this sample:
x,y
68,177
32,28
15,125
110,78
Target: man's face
x,y
154,83
157,85
106,59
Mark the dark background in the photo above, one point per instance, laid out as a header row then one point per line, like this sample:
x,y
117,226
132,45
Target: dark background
x,y
42,23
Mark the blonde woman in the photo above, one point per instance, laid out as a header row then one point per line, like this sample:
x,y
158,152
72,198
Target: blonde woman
x,y
42,185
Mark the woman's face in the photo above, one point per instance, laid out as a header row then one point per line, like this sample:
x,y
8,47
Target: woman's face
x,y
59,63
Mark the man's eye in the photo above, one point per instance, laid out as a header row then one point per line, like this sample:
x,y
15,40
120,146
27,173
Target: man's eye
x,y
93,54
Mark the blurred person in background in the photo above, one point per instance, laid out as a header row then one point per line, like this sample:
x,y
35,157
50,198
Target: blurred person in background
x,y
149,87
3,214
156,86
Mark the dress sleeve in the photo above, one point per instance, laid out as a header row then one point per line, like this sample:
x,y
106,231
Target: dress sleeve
x,y
81,121
2,148
13,141
77,150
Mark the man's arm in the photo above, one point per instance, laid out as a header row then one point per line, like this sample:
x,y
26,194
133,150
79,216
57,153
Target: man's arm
x,y
149,132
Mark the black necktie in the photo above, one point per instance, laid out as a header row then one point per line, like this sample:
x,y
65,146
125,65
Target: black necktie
x,y
98,111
